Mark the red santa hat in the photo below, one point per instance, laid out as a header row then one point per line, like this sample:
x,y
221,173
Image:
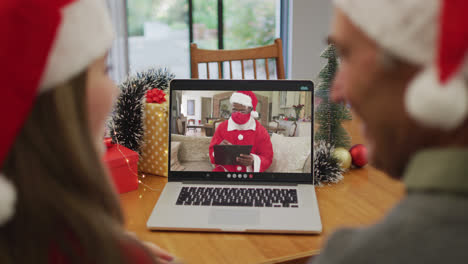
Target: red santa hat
x,y
430,33
49,42
246,98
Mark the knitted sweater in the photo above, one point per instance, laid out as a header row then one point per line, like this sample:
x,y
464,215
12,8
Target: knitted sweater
x,y
429,226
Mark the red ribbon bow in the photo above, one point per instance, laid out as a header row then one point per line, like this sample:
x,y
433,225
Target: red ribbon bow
x,y
155,96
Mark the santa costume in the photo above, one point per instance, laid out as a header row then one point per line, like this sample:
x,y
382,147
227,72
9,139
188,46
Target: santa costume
x,y
431,35
243,129
71,34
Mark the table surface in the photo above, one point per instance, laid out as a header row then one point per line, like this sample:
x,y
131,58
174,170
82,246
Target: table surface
x,y
200,126
362,198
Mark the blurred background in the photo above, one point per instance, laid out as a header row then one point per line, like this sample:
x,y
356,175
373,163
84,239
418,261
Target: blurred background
x,y
158,33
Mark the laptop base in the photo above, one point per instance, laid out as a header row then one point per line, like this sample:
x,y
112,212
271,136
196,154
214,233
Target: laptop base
x,y
304,219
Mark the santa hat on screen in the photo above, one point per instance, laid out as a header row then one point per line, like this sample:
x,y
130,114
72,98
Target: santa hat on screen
x,y
246,98
49,42
430,33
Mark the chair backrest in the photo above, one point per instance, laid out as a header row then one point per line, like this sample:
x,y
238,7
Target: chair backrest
x,y
273,126
274,51
292,129
180,126
217,122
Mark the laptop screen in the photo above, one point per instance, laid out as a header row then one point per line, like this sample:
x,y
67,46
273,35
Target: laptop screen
x,y
235,130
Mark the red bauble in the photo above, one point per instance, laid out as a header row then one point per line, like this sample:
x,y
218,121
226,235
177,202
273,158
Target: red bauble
x,y
358,155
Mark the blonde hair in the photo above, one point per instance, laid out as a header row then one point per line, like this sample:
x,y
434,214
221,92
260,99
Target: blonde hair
x,y
65,197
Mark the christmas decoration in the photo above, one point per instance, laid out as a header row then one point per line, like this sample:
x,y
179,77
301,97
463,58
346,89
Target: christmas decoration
x,y
154,152
298,109
155,96
122,163
435,39
131,169
127,119
326,167
358,155
343,157
329,115
108,142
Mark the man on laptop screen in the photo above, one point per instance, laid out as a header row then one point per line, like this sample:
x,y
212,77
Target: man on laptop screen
x,y
242,129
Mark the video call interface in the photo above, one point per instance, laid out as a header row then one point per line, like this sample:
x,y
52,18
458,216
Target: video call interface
x,y
227,131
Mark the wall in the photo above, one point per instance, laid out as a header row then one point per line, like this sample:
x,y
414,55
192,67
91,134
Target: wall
x,y
309,30
195,95
197,100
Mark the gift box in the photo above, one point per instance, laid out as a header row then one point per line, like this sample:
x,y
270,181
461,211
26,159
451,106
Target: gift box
x,y
122,163
154,151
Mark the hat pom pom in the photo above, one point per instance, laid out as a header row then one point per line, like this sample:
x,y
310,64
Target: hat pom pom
x,y
254,114
7,199
434,104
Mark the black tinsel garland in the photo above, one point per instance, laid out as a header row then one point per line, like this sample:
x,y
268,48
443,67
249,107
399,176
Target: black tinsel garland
x,y
126,124
326,168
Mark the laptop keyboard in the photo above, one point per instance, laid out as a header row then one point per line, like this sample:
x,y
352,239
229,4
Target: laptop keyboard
x,y
246,197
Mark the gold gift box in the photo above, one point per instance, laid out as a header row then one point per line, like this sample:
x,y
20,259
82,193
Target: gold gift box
x,y
154,151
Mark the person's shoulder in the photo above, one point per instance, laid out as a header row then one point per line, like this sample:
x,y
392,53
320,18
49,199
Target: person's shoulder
x,y
360,245
223,124
414,225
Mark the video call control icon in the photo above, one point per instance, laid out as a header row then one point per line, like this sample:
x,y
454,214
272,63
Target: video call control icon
x,y
240,176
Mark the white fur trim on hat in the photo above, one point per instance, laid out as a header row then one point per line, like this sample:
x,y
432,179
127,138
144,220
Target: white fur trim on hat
x,y
254,114
405,28
7,200
409,30
85,35
436,105
241,98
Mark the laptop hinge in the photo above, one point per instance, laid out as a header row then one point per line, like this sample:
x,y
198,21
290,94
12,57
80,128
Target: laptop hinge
x,y
240,183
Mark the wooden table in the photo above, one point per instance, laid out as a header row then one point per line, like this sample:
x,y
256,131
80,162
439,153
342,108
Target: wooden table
x,y
274,129
362,198
208,128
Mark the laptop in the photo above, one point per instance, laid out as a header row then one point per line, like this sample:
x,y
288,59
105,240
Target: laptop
x,y
272,198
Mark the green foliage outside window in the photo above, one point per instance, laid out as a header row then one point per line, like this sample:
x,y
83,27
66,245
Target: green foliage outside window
x,y
248,23
138,12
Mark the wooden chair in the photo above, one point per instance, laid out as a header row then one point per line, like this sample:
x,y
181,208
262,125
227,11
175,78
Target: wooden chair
x,y
292,129
180,126
273,126
288,130
190,122
217,122
274,51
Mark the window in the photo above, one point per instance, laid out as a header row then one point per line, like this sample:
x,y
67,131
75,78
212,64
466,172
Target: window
x,y
158,35
283,99
190,107
160,31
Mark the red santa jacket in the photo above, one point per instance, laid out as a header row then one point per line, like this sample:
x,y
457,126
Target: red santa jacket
x,y
254,134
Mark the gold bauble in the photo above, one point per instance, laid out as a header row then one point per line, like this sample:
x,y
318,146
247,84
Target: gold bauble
x,y
343,156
